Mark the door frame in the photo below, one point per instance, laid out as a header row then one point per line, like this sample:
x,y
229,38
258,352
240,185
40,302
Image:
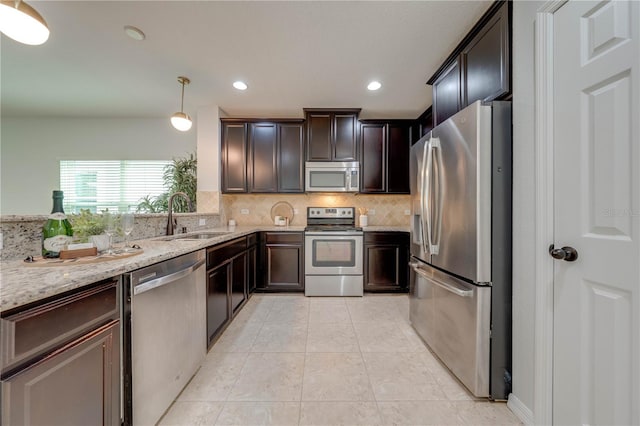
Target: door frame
x,y
544,212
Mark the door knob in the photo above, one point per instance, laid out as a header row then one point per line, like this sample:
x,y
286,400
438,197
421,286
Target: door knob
x,y
565,253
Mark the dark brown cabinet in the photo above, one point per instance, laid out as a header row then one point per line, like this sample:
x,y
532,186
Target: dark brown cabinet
x,y
478,69
227,283
233,151
485,61
332,135
265,157
72,344
384,163
422,125
283,257
446,93
386,257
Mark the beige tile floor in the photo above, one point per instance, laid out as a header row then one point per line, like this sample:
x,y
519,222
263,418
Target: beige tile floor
x,y
291,360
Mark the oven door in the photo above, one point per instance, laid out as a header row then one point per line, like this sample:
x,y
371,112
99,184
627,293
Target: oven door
x,y
333,253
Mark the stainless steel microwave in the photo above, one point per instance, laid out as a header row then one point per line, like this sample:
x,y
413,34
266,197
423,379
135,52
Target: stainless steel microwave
x,y
332,176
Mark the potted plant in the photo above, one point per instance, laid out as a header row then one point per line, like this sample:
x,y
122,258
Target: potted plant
x,y
179,176
89,227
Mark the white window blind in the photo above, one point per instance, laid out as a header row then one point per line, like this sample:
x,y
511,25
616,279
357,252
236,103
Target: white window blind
x,y
115,185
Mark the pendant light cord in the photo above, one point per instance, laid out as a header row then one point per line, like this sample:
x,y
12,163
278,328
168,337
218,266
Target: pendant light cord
x,y
182,98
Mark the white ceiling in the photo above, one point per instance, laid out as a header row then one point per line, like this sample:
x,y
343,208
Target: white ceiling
x,y
292,54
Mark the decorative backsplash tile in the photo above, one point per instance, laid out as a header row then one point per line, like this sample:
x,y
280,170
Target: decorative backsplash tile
x,y
255,209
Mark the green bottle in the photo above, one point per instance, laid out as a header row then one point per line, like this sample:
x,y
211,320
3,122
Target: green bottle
x,y
56,232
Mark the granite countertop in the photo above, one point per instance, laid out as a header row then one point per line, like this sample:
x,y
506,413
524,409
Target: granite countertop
x,y
21,284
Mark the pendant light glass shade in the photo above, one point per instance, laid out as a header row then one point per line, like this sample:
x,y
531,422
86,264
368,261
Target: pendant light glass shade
x,y
22,23
180,120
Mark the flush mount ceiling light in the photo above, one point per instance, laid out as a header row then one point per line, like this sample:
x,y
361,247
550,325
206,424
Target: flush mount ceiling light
x,y
180,120
240,85
134,33
22,23
374,85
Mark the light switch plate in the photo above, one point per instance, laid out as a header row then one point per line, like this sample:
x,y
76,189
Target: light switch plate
x,y
407,212
371,212
1,241
244,211
202,222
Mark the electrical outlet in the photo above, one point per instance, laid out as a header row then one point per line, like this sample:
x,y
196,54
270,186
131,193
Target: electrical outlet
x,y
244,211
407,212
1,241
295,211
202,222
371,212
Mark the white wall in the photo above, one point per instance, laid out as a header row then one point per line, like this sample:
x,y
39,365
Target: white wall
x,y
31,149
523,204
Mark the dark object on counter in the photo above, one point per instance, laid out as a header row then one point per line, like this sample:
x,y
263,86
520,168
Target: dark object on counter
x,y
57,231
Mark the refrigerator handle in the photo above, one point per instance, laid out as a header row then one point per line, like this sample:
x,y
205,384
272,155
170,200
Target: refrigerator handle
x,y
440,194
434,143
424,208
462,292
427,191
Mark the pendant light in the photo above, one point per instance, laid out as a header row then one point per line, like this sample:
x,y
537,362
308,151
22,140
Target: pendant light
x,y
180,120
22,23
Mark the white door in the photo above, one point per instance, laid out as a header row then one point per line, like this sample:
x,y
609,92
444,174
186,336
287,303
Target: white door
x,y
596,362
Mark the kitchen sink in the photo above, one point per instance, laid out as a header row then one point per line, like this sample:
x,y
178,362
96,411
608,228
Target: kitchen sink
x,y
198,236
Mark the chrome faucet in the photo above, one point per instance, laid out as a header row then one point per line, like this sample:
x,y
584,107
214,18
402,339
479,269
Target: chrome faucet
x,y
171,223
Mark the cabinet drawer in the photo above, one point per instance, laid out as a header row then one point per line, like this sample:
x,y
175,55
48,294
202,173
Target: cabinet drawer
x,y
221,253
284,238
33,332
397,238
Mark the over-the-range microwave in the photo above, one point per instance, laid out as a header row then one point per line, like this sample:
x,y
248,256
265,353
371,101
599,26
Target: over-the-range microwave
x,y
332,176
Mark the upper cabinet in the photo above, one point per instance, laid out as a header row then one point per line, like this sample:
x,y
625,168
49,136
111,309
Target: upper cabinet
x,y
262,156
332,134
478,69
384,162
233,152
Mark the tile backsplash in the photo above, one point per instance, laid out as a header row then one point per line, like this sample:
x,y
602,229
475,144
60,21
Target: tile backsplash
x,y
250,209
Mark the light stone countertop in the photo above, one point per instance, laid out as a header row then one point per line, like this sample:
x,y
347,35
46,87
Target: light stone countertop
x,y
21,284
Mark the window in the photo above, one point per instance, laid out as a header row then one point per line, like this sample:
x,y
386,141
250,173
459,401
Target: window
x,y
115,185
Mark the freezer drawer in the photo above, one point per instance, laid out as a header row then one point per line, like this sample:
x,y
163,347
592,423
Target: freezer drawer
x,y
453,318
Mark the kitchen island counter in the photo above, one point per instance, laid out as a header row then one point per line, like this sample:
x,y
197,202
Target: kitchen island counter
x,y
21,284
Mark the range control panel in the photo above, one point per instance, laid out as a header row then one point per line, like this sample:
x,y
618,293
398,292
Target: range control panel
x,y
330,212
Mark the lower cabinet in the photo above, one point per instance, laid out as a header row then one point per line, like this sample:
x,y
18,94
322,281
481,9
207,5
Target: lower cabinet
x,y
386,261
230,271
65,364
283,261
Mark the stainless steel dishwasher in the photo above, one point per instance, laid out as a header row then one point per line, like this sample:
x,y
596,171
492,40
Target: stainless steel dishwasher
x,y
165,334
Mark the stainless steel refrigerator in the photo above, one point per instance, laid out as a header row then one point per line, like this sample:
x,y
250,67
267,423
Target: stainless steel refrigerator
x,y
460,298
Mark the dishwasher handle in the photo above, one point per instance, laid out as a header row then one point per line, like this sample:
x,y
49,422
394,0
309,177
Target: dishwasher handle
x,y
166,279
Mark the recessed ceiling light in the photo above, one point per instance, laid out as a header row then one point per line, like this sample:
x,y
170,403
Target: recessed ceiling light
x,y
374,85
240,85
134,33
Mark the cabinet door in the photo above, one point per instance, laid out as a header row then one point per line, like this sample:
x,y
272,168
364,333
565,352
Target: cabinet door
x,y
398,149
262,164
373,167
234,157
284,269
386,257
238,282
217,301
252,269
346,137
446,93
290,157
76,385
319,136
485,61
